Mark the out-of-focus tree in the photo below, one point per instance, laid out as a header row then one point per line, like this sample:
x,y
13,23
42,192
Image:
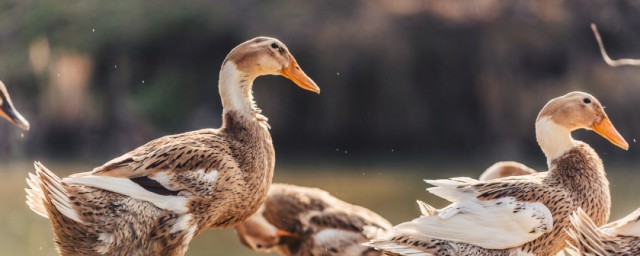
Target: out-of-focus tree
x,y
423,77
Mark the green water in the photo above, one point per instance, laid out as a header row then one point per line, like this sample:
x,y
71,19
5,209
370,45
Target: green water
x,y
390,191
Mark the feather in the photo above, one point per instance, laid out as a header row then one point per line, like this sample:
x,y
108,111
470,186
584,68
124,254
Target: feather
x,y
124,186
44,183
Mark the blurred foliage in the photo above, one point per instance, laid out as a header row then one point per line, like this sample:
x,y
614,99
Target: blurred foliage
x,y
421,77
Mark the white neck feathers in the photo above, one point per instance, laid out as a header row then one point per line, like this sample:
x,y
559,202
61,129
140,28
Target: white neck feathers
x,y
235,89
554,139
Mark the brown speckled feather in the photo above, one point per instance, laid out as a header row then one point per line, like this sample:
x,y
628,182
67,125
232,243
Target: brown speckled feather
x,y
308,221
618,238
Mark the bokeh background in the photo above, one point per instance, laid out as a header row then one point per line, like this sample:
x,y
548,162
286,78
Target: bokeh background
x,y
410,90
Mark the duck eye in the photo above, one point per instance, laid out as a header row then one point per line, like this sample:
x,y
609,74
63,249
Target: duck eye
x,y
274,46
586,100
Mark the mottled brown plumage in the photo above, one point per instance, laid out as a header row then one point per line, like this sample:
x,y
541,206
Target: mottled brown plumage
x,y
520,215
156,198
305,221
619,238
8,112
505,169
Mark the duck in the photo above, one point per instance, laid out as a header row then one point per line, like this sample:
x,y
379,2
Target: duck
x,y
9,112
621,237
296,221
505,169
154,199
520,215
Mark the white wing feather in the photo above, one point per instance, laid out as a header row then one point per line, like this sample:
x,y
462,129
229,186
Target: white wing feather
x,y
450,190
627,226
129,188
492,224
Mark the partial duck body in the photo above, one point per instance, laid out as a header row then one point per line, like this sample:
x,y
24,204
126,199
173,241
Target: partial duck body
x,y
520,215
304,221
505,169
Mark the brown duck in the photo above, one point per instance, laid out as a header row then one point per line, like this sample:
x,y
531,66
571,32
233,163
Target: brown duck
x,y
156,198
520,215
505,169
304,221
8,112
621,237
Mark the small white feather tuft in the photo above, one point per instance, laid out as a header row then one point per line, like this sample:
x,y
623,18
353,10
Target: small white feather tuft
x,y
212,176
107,241
183,223
373,232
426,209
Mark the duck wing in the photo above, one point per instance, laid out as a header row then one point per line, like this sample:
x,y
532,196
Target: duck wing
x,y
167,171
490,215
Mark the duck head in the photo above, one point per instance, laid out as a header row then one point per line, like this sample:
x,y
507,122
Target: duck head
x,y
251,59
269,56
260,236
8,112
564,114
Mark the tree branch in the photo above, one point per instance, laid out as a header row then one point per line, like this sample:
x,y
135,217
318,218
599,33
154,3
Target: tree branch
x,y
605,56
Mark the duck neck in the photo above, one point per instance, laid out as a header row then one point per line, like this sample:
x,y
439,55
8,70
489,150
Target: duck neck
x,y
236,93
554,139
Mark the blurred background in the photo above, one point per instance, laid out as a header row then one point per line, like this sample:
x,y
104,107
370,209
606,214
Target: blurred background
x,y
410,90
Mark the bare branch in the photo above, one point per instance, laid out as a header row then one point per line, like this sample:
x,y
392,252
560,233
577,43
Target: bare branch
x,y
605,56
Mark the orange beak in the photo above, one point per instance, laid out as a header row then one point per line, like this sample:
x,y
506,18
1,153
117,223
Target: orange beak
x,y
605,129
285,237
295,74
